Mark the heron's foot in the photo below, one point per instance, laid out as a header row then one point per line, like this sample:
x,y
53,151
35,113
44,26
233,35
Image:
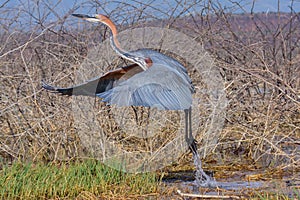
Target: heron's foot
x,y
204,180
201,178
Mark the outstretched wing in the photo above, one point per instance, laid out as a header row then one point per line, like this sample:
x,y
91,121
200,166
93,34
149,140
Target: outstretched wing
x,y
98,84
157,87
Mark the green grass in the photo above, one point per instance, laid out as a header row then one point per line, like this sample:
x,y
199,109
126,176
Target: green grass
x,y
68,180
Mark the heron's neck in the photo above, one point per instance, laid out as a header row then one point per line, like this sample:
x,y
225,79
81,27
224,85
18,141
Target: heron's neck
x,y
114,39
117,47
115,44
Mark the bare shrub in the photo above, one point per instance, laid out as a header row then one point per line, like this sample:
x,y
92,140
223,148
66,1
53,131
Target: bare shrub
x,y
258,55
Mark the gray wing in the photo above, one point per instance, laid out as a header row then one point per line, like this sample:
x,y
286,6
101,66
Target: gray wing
x,y
156,87
98,84
168,62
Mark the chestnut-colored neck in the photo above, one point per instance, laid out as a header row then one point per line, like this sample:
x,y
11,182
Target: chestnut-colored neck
x,y
113,29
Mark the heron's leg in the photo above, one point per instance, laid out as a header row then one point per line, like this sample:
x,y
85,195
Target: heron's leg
x,y
187,135
192,141
188,131
202,178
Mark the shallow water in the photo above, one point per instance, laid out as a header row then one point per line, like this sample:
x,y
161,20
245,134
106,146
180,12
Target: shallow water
x,y
240,185
185,181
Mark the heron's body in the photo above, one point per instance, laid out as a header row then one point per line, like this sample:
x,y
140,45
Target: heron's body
x,y
165,85
153,80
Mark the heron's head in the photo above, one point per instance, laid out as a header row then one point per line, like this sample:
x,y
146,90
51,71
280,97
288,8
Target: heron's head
x,y
95,18
141,60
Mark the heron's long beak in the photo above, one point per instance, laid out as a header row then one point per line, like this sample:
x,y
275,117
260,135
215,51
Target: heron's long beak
x,y
91,18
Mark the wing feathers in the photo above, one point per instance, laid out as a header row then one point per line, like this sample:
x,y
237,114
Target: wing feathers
x,y
97,85
156,87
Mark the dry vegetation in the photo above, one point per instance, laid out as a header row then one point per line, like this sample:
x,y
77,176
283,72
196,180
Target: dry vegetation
x,y
258,56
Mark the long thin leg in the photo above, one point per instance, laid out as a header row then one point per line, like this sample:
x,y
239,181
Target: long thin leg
x,y
202,178
191,142
190,122
187,128
186,136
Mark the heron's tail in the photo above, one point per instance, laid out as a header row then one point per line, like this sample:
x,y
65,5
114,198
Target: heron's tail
x,y
63,91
